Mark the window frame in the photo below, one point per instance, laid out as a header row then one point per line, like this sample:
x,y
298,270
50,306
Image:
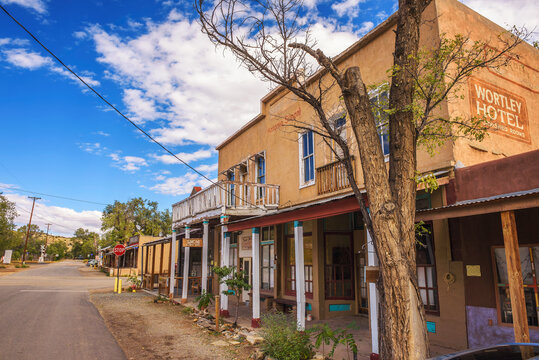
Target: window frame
x,y
260,179
430,311
350,234
376,94
496,284
289,280
302,158
269,243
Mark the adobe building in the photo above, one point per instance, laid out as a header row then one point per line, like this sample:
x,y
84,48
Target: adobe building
x,y
284,212
131,262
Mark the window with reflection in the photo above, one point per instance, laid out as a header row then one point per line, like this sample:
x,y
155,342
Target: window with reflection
x,y
267,261
529,262
290,288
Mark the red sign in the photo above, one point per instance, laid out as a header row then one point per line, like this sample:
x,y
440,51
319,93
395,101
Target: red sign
x,y
119,250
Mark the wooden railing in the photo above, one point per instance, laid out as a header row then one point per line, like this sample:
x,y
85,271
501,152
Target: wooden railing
x,y
227,195
332,177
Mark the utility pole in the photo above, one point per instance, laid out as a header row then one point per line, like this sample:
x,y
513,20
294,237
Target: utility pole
x,y
28,229
47,239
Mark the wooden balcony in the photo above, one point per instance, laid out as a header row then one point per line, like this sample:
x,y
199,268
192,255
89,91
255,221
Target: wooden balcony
x,y
332,177
227,198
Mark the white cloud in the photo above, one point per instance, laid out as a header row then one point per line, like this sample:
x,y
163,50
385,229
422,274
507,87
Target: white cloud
x,y
92,148
181,185
331,39
133,163
187,157
128,163
37,5
26,59
208,168
509,12
365,27
140,107
102,133
205,96
64,220
349,8
80,35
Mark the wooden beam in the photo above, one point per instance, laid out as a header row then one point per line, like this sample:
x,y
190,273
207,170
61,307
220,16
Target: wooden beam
x,y
514,274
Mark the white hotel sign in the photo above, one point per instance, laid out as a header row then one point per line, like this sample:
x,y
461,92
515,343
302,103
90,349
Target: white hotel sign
x,y
504,111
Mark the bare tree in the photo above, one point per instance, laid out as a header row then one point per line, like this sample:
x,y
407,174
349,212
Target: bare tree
x,y
270,38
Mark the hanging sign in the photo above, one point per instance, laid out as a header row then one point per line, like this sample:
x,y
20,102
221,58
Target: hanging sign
x,y
193,242
505,113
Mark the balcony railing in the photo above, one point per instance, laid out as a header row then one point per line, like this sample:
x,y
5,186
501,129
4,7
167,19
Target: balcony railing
x,y
227,196
332,177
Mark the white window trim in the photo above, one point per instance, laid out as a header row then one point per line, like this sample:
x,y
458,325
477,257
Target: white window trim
x,y
373,93
261,155
302,183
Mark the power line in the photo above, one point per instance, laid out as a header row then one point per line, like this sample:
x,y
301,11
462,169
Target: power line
x,y
120,113
55,196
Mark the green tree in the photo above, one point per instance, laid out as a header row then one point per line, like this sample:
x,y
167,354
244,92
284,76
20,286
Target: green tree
x,y
84,243
138,216
57,248
235,282
36,238
9,240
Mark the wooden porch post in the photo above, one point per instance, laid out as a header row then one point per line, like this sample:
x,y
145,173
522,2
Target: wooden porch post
x,y
205,255
514,274
172,280
185,282
161,258
153,264
255,321
300,274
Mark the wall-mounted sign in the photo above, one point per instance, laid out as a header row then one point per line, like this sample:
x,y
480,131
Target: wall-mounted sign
x,y
505,112
473,270
246,242
193,242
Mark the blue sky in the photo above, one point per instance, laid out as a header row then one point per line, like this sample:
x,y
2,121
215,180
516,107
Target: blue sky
x,y
149,58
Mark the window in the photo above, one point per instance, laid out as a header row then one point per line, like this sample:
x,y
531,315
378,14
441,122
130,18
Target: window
x,y
291,258
339,123
338,266
380,102
267,263
426,269
260,176
231,189
306,150
529,262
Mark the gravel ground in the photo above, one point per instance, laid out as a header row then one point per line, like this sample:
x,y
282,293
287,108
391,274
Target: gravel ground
x,y
146,330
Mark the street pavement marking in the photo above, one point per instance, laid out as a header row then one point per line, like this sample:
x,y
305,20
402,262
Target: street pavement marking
x,y
52,290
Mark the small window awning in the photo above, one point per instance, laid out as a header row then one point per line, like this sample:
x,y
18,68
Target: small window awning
x,y
492,204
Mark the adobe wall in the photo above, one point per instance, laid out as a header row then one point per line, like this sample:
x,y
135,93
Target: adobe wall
x,y
509,94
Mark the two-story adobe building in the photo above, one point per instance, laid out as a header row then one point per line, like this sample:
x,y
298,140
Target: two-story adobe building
x,y
283,210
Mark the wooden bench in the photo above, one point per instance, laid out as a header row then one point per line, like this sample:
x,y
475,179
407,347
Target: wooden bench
x,y
285,305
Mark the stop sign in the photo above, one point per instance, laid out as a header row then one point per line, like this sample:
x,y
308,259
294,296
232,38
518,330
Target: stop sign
x,y
119,250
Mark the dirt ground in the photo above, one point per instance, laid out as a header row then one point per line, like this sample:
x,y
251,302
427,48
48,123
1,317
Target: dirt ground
x,y
6,269
145,330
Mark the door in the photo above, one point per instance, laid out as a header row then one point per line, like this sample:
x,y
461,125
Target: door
x,y
246,268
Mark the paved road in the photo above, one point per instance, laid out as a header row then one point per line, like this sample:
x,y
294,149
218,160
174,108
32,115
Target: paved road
x,y
45,313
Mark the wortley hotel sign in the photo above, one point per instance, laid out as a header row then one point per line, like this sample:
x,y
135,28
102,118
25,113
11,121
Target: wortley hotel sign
x,y
505,112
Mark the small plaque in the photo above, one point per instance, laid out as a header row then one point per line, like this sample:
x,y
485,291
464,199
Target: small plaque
x,y
473,270
193,242
372,274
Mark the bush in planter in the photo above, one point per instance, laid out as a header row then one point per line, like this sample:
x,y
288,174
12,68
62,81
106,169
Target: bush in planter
x,y
282,340
204,300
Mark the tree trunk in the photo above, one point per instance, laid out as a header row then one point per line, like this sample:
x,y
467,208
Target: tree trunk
x,y
403,329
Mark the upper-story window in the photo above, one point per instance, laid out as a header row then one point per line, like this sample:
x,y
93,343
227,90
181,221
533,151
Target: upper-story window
x,y
306,163
231,189
380,102
260,175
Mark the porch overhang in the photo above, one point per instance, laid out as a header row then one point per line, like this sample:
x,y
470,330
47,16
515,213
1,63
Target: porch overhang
x,y
494,204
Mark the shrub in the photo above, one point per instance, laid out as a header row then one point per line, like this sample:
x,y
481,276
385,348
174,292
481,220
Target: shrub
x,y
204,299
282,340
187,310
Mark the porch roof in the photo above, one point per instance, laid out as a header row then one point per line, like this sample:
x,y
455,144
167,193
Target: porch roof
x,y
168,239
503,202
